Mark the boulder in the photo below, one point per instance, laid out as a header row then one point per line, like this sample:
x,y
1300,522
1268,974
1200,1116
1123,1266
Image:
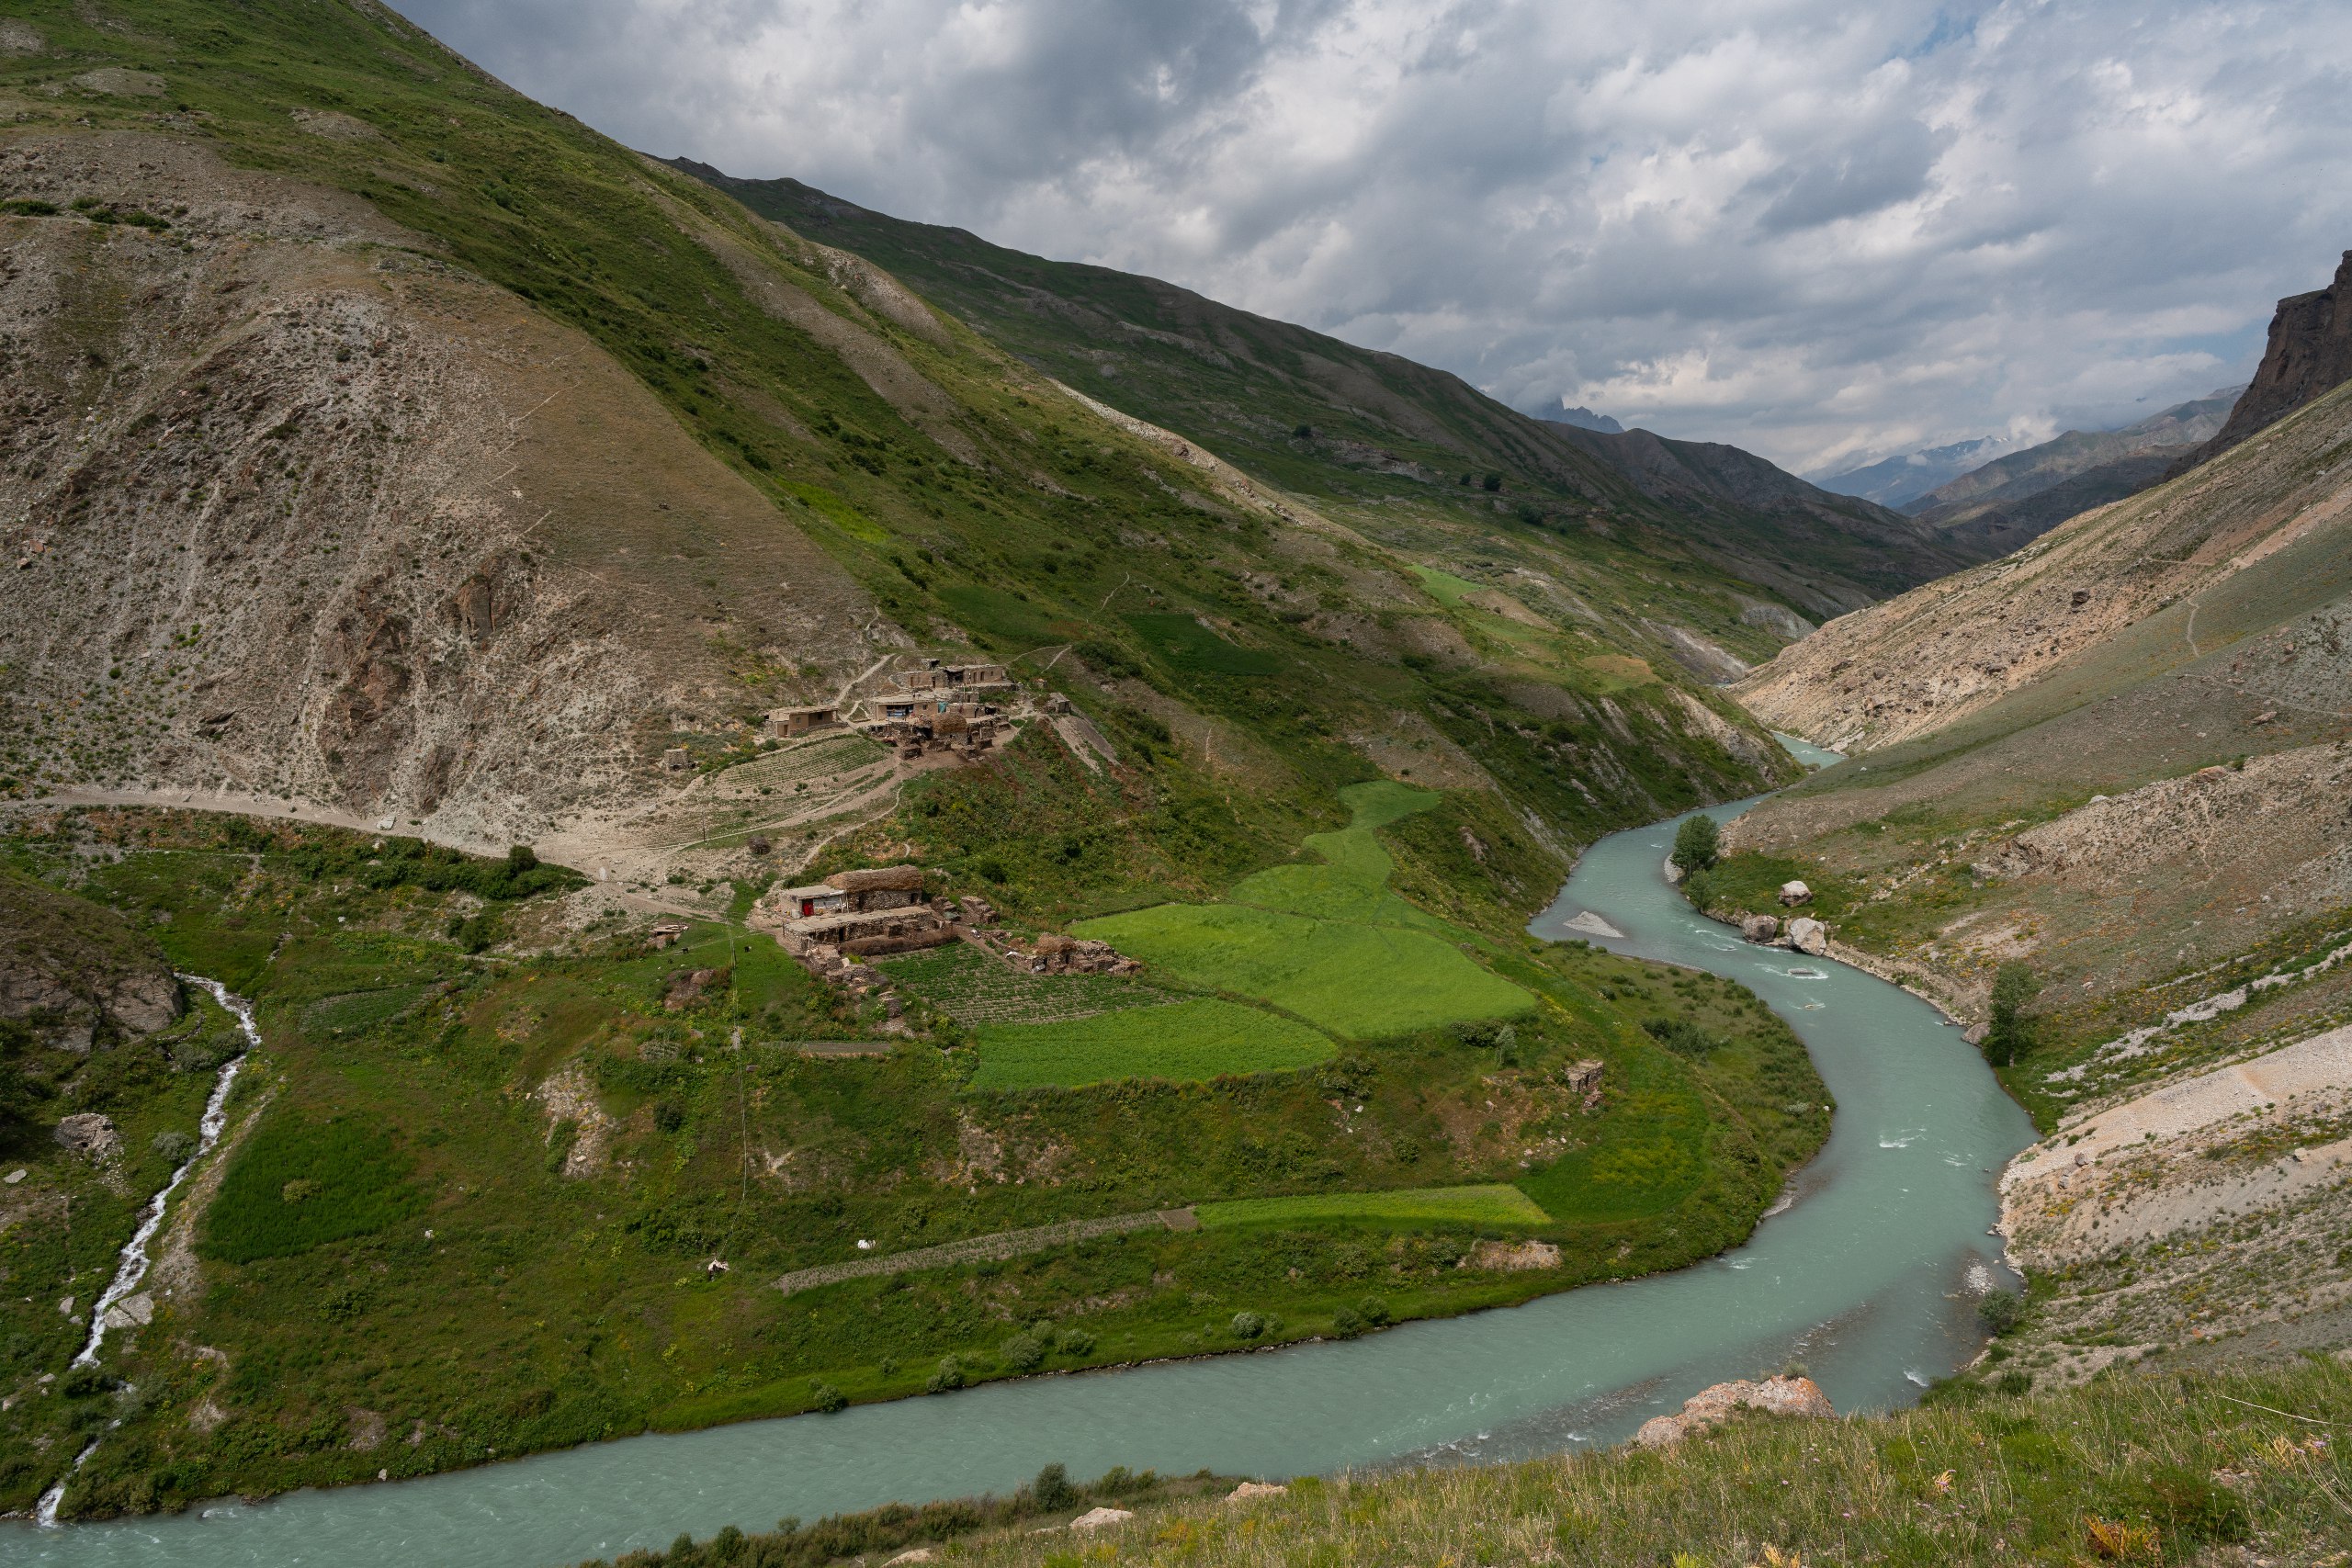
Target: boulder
x,y
1248,1489
1712,1407
1759,928
1809,936
1976,1033
1673,872
1795,893
1095,1518
87,1133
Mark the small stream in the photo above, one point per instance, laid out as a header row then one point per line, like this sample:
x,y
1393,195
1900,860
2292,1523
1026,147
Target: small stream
x,y
1867,1272
135,1261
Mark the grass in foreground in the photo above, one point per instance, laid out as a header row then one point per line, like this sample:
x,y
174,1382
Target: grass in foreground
x,y
1189,1043
2153,1471
1487,1205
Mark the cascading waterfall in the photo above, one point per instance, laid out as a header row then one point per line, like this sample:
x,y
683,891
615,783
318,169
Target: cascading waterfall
x,y
135,1261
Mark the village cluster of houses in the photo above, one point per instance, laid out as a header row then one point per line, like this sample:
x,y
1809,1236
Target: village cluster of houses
x,y
937,708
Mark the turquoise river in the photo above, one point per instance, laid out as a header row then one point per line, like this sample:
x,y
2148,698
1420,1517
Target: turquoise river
x,y
1866,1272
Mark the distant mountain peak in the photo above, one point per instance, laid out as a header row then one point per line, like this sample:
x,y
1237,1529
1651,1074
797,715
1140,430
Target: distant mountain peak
x,y
1898,480
1584,419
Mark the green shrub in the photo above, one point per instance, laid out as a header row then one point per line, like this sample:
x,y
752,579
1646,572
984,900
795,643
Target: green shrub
x,y
1052,1488
1022,1353
1698,843
1681,1036
1247,1324
828,1398
300,1184
2187,1504
2000,1310
948,1375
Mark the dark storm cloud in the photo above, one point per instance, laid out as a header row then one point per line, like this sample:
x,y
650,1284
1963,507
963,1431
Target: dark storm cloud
x,y
1818,230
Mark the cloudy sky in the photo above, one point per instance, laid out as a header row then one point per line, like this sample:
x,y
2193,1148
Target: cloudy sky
x,y
1827,232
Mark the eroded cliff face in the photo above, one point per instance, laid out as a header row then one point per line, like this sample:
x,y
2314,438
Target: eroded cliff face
x,y
290,506
2308,355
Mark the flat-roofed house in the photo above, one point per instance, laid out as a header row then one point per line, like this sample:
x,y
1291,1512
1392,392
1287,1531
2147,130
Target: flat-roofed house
x,y
785,723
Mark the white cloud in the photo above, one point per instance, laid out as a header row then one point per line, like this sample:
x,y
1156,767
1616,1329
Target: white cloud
x,y
1816,229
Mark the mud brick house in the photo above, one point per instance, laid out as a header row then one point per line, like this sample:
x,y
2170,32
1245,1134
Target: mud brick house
x,y
936,677
785,723
901,929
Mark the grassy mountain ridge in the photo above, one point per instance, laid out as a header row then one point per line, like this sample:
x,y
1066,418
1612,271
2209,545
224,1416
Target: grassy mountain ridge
x,y
1314,415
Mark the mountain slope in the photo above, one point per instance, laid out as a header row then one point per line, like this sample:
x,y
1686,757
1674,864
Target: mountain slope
x,y
1765,523
2116,764
2013,500
1341,423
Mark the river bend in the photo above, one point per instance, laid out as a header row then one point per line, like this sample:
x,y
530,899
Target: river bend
x,y
1867,1274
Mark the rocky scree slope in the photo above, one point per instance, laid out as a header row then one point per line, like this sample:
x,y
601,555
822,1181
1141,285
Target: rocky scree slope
x,y
379,438
1309,412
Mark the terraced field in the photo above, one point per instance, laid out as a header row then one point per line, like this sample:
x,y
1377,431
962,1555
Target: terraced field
x,y
1326,941
978,991
1483,1205
1190,1042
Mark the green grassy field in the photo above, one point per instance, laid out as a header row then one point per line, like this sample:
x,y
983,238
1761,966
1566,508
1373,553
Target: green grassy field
x,y
1327,941
1362,982
1488,1205
1443,586
1193,648
406,1089
1188,1041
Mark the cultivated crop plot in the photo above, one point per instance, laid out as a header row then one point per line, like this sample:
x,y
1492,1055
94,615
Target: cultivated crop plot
x,y
1328,943
976,987
1186,1042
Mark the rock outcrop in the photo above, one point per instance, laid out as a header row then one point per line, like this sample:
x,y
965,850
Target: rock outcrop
x,y
1713,1407
87,1133
77,972
2310,355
